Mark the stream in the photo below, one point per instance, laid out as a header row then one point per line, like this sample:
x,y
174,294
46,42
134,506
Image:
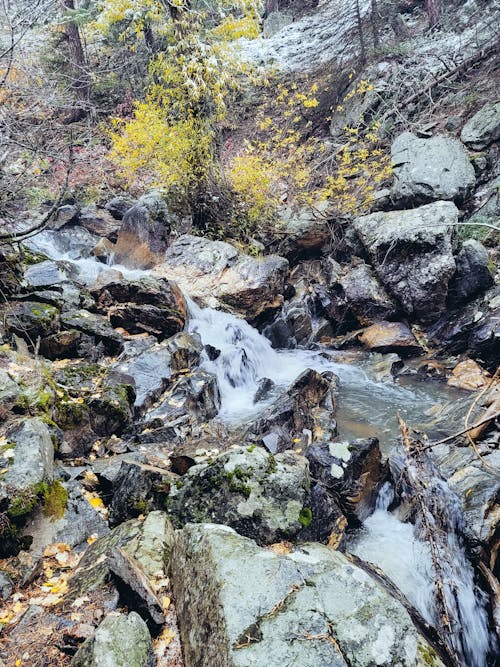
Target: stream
x,y
365,402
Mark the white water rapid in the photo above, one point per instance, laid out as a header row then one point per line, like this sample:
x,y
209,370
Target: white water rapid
x,y
245,358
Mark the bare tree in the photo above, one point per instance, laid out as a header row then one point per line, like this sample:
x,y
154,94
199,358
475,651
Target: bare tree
x,y
80,83
432,9
361,35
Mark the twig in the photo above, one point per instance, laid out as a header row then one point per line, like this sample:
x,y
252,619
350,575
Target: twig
x,y
449,438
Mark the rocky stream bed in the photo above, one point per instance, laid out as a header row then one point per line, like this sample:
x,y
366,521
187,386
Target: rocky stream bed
x,y
201,461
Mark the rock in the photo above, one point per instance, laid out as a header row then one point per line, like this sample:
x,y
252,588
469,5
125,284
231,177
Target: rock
x,y
11,270
390,337
351,472
6,585
104,250
139,592
111,411
365,297
418,279
483,128
486,204
241,605
45,274
472,275
196,395
265,388
118,206
31,465
151,371
100,222
469,375
185,351
96,326
142,238
65,214
121,641
73,528
138,489
306,405
327,523
143,539
32,319
153,305
258,494
67,345
427,170
214,273
304,231
473,328
274,22
9,393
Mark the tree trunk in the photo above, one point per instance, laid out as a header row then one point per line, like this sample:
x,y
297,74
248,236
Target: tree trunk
x,y
361,35
374,20
80,84
432,9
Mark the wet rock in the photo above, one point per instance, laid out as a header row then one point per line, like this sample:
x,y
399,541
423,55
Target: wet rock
x,y
473,328
65,214
390,337
472,275
185,351
486,204
151,371
351,472
327,523
30,464
258,494
238,604
432,169
96,326
418,279
118,206
138,591
307,404
104,250
45,274
152,305
142,238
99,221
196,395
121,641
264,390
469,375
138,489
364,296
32,319
483,128
215,273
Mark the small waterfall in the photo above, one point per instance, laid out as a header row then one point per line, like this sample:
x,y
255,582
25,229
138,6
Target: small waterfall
x,y
396,548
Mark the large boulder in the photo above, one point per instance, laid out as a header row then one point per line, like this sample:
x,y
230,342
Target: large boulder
x,y
27,464
483,128
142,237
258,494
31,320
99,221
149,304
121,641
472,275
97,327
240,605
390,337
412,254
194,396
215,273
428,170
303,231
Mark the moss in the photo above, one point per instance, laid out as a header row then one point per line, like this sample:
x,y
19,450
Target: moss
x,y
272,466
428,654
29,258
139,506
305,517
24,502
250,448
179,484
55,500
70,414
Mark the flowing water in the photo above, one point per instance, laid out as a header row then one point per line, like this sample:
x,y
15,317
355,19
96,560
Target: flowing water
x,y
246,357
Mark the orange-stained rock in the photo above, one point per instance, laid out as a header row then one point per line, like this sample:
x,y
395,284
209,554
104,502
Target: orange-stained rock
x,y
469,375
390,337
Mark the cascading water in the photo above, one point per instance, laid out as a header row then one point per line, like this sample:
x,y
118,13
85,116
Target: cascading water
x,y
245,358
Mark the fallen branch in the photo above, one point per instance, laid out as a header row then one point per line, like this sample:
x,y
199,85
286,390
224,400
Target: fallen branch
x,y
449,438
